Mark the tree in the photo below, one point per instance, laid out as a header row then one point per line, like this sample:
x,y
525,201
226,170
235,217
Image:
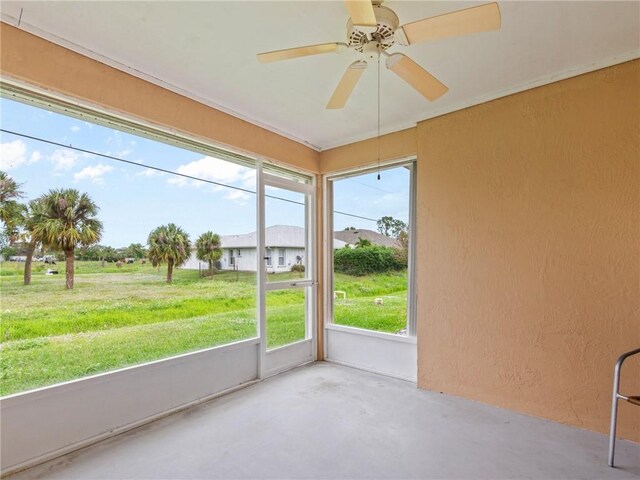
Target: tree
x,y
11,210
391,227
170,244
68,220
362,242
33,217
208,249
135,250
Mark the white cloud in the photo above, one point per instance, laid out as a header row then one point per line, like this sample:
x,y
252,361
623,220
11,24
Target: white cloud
x,y
13,154
239,196
209,168
75,128
93,174
148,172
64,159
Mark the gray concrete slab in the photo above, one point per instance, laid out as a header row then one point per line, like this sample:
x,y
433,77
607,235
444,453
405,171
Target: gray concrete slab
x,y
328,421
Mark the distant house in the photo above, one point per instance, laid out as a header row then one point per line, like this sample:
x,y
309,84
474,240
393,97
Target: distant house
x,y
284,249
352,236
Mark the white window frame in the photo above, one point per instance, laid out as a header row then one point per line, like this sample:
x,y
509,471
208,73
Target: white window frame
x,y
146,391
328,180
282,257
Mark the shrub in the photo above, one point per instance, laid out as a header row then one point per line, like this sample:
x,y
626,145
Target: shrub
x,y
297,268
366,260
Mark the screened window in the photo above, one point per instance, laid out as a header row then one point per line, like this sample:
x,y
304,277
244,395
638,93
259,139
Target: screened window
x,y
149,282
372,249
281,257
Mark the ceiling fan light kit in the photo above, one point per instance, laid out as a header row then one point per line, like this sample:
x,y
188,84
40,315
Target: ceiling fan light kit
x,y
372,29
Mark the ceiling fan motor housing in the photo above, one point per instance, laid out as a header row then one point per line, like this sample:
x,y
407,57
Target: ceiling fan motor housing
x,y
387,22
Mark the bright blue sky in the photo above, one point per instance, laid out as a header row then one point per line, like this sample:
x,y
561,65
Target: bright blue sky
x,y
133,200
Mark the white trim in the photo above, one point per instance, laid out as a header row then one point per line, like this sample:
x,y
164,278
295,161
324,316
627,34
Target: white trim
x,y
261,272
373,351
58,419
286,184
289,356
327,244
480,99
149,78
371,167
435,112
118,431
328,179
371,333
43,392
288,284
412,296
84,110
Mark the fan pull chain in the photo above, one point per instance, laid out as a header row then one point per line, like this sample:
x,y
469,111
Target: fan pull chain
x,y
378,111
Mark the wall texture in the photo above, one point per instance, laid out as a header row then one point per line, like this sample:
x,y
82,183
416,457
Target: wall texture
x,y
529,249
393,146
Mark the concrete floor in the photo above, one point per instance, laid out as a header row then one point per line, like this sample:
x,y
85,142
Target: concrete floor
x,y
327,421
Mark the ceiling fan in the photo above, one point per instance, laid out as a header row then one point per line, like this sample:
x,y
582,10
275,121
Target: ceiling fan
x,y
373,28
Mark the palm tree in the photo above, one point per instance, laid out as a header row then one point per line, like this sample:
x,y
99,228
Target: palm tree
x,y
10,209
208,249
68,219
170,244
33,216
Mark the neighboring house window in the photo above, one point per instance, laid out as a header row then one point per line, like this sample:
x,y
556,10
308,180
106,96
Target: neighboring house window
x,y
232,259
268,257
238,253
281,256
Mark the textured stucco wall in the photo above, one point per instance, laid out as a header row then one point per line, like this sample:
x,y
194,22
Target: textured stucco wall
x,y
393,146
529,249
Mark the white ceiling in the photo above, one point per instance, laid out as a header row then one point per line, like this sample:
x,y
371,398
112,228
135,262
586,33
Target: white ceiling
x,y
206,50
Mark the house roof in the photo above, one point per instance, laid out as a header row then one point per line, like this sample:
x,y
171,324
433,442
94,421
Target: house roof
x,y
276,236
352,236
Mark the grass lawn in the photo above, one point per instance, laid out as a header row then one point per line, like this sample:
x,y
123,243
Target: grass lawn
x,y
115,317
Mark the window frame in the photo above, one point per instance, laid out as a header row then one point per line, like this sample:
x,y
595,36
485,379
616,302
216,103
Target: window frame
x,y
328,213
267,170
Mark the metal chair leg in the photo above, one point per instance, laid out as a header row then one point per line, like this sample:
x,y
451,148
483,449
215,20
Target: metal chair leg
x,y
614,402
614,421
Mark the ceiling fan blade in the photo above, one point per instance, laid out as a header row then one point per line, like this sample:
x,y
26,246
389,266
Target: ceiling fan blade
x,y
361,13
346,85
416,76
483,18
289,53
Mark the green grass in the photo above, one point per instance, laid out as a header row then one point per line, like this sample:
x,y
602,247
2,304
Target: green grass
x,y
359,308
116,317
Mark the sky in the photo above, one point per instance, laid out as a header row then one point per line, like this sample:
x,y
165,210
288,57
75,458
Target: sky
x,y
134,199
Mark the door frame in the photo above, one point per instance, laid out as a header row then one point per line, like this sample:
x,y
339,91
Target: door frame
x,y
273,361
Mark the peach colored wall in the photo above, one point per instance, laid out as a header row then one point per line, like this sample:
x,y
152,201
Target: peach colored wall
x,y
529,248
393,146
40,63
